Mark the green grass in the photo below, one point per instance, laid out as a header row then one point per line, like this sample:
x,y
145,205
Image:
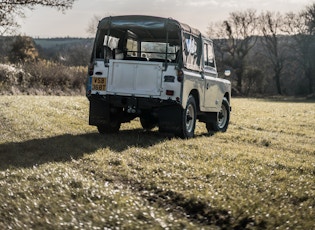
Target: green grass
x,y
56,172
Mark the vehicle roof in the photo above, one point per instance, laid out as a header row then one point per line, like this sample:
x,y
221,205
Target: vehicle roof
x,y
137,22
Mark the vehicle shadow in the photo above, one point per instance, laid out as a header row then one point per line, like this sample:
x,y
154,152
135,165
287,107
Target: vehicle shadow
x,y
67,147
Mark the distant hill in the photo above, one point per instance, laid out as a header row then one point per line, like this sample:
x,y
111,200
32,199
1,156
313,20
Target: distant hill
x,y
51,43
72,51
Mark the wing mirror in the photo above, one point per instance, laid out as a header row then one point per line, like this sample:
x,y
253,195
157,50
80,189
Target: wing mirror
x,y
227,73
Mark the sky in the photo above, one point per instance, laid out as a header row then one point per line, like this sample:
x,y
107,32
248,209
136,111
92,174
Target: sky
x,y
45,22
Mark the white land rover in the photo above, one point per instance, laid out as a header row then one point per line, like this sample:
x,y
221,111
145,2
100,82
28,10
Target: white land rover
x,y
159,70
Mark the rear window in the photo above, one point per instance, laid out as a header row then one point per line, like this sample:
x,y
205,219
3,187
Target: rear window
x,y
111,47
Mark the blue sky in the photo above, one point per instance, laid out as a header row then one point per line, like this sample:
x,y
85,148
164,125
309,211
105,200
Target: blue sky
x,y
47,22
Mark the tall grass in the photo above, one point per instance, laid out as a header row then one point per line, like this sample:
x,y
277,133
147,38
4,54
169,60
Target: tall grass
x,y
56,172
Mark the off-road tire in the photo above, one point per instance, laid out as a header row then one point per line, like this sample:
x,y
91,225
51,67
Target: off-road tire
x,y
148,123
222,118
189,117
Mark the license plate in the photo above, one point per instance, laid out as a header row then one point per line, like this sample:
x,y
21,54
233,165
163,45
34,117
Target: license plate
x,y
99,83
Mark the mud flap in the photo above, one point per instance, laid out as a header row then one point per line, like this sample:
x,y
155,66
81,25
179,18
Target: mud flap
x,y
170,119
99,112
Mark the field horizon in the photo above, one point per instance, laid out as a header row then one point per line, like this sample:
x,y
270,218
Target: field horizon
x,y
57,172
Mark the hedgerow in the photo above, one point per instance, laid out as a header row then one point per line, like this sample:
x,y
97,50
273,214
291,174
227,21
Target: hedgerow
x,y
42,78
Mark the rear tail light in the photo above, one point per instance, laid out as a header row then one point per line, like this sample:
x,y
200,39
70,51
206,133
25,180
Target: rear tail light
x,y
170,92
180,75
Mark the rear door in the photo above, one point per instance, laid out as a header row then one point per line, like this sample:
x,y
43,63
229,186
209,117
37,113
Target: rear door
x,y
138,78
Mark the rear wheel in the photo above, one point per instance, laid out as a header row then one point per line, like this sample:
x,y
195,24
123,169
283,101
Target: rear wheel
x,y
222,118
148,122
189,117
114,123
112,127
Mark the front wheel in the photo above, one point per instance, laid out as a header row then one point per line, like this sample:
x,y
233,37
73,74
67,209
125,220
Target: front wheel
x,y
222,118
189,117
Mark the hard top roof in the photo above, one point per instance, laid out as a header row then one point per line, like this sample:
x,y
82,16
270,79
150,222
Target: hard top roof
x,y
145,22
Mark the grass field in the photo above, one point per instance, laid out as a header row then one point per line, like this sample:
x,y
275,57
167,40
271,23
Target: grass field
x,y
56,172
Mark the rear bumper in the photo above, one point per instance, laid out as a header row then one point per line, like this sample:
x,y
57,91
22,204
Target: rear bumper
x,y
141,103
102,109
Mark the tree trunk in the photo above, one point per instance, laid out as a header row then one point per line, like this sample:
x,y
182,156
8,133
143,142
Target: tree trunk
x,y
239,74
239,83
308,75
278,83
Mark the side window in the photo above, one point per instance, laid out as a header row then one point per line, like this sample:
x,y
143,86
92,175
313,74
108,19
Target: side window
x,y
205,54
191,46
208,55
192,51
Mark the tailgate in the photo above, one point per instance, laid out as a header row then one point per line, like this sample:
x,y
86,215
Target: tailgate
x,y
134,78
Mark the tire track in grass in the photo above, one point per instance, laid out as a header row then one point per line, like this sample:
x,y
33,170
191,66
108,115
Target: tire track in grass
x,y
195,210
152,212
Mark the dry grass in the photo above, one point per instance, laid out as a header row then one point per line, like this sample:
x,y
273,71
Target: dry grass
x,y
42,78
56,172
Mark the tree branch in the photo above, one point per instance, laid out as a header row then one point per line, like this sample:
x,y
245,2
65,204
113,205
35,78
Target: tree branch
x,y
10,9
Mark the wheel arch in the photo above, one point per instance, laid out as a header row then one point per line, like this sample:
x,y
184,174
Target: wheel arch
x,y
227,96
195,94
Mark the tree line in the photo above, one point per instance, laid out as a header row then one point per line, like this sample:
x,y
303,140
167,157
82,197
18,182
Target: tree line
x,y
269,52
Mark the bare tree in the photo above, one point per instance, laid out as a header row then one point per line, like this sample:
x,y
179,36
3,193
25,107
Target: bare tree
x,y
309,16
217,33
92,26
10,9
271,26
240,30
302,27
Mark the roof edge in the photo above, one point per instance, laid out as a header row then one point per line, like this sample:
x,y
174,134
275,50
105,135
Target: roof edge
x,y
144,21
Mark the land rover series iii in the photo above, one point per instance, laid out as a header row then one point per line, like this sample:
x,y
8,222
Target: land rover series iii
x,y
159,70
